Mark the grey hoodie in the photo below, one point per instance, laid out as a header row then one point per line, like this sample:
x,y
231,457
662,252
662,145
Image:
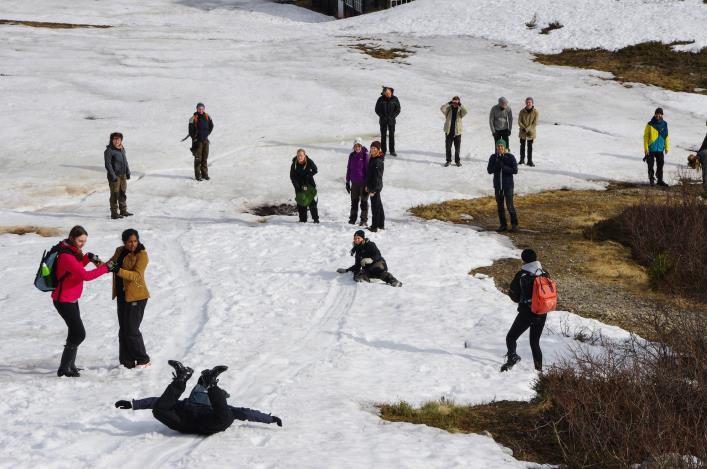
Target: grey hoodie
x,y
500,119
532,267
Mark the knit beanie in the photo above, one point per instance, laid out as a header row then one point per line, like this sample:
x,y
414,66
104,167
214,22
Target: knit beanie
x,y
528,256
502,100
376,144
358,141
361,234
500,141
659,111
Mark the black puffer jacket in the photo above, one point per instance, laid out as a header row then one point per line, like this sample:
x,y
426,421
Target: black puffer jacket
x,y
521,289
374,174
387,109
366,249
302,175
200,127
116,162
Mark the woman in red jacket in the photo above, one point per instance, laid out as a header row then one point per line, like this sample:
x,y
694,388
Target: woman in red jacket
x,y
71,274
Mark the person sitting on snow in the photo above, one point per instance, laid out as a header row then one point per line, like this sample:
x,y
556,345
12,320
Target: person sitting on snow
x,y
369,262
200,414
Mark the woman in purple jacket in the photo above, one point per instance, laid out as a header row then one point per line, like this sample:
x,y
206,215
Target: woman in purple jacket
x,y
356,182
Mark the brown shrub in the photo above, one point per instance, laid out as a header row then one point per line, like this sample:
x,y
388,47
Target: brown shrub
x,y
636,402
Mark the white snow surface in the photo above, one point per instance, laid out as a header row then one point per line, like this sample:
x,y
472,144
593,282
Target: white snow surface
x,y
260,294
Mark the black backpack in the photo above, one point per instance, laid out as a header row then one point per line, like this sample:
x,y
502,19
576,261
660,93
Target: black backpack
x,y
46,280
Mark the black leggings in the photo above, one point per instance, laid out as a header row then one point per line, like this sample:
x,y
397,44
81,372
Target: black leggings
x,y
71,315
536,323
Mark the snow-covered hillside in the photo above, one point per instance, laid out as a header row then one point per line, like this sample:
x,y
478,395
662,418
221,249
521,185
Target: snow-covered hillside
x,y
262,296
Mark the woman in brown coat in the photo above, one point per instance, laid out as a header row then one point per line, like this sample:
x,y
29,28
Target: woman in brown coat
x,y
527,120
131,291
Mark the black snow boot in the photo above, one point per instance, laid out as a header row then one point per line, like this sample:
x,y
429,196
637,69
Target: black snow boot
x,y
67,367
181,372
513,358
209,378
276,420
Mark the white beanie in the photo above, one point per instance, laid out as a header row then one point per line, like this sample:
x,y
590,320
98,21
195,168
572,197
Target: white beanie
x,y
358,141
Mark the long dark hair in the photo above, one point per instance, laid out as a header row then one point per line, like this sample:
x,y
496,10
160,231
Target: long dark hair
x,y
132,232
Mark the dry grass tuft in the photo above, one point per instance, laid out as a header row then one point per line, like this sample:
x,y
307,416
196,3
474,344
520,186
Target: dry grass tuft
x,y
43,24
45,231
651,63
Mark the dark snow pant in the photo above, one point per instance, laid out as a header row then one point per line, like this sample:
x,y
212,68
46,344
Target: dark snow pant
x,y
376,270
131,346
507,196
358,196
71,315
377,213
118,198
457,141
522,151
200,420
527,320
239,413
659,158
201,158
302,211
502,134
387,130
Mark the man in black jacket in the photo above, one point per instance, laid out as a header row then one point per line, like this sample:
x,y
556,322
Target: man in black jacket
x,y
368,262
521,292
388,108
200,420
302,174
503,166
374,186
118,173
200,127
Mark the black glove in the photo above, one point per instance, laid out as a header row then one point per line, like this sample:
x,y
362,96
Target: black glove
x,y
92,257
113,266
123,405
277,420
341,271
127,176
644,158
348,187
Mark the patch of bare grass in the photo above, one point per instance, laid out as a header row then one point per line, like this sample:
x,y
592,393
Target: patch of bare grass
x,y
651,63
45,231
44,24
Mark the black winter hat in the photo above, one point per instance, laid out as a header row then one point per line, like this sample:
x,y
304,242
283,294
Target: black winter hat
x,y
659,111
360,233
528,256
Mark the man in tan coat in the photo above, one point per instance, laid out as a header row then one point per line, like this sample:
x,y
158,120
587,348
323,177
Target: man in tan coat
x,y
453,112
527,120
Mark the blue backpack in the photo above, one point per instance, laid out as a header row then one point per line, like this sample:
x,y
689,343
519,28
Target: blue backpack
x,y
46,280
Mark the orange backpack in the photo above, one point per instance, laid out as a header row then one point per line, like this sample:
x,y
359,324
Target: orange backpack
x,y
544,294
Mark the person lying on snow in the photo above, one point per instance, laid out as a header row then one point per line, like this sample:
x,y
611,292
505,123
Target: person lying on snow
x,y
205,412
369,262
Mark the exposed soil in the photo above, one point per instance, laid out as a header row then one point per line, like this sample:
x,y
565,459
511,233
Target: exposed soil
x,y
596,279
44,24
651,63
267,210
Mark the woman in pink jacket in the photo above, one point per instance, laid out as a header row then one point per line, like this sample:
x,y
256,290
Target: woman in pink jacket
x,y
71,274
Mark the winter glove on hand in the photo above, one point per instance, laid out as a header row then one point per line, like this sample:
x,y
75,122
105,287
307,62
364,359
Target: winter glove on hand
x,y
348,187
123,405
341,270
113,266
366,261
127,176
644,158
277,420
92,257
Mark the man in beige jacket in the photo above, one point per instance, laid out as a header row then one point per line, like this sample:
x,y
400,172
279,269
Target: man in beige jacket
x,y
453,112
527,120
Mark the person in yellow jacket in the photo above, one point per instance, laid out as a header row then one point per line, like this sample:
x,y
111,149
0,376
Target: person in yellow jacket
x,y
656,143
130,289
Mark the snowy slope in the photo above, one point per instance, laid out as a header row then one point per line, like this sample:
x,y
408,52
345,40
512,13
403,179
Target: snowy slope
x,y
261,295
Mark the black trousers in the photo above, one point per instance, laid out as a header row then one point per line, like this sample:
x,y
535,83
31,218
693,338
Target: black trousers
x,y
358,196
657,157
527,320
377,213
131,350
502,134
387,130
302,211
200,420
522,150
457,140
71,315
507,197
376,270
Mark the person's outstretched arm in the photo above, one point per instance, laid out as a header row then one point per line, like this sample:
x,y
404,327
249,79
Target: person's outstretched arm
x,y
243,413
